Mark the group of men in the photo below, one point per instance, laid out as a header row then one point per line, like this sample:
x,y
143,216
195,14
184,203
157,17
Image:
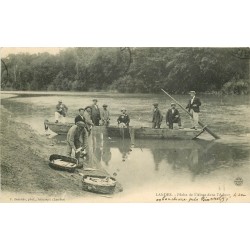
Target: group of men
x,y
93,113
173,115
77,137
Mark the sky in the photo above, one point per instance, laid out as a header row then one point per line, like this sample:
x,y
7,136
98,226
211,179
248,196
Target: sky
x,y
5,51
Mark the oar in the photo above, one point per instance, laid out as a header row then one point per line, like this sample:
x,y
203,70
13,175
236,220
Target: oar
x,y
201,124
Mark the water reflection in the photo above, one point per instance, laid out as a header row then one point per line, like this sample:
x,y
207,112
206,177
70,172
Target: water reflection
x,y
195,156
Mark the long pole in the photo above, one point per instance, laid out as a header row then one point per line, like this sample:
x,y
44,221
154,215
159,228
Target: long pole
x,y
201,124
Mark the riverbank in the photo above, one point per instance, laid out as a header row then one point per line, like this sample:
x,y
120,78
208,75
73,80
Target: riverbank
x,y
25,173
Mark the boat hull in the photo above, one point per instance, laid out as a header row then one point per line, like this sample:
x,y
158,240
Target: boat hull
x,y
165,133
132,132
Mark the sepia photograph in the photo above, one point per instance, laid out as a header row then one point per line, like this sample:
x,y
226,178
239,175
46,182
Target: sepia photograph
x,y
125,124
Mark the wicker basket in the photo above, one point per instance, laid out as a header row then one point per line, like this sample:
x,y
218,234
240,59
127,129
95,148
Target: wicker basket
x,y
101,189
63,158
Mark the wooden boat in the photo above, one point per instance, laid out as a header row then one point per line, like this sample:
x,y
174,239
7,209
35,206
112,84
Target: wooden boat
x,y
150,133
133,132
61,162
58,128
165,133
99,184
63,128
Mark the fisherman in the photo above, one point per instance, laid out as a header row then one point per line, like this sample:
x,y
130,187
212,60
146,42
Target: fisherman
x,y
77,139
157,117
193,107
95,113
123,120
80,117
87,118
105,116
61,111
173,116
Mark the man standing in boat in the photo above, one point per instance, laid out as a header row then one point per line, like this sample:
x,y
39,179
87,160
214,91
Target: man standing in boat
x,y
77,139
87,118
105,116
193,107
95,113
157,117
173,116
123,120
61,111
80,117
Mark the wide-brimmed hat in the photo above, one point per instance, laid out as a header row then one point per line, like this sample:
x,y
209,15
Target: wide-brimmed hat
x,y
192,92
94,100
80,124
105,105
173,104
123,109
60,100
155,104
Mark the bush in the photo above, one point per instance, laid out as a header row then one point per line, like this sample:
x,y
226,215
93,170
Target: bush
x,y
236,87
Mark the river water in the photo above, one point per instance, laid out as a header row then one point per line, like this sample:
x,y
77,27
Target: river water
x,y
152,166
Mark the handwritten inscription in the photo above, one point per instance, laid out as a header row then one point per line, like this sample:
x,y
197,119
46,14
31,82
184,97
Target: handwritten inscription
x,y
197,197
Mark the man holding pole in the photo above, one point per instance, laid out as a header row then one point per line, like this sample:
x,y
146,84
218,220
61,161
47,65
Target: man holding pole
x,y
193,107
204,127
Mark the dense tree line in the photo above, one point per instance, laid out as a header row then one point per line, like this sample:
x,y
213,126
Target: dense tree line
x,y
129,70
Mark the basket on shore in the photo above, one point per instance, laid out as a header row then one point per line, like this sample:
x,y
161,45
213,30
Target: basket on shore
x,y
101,187
55,163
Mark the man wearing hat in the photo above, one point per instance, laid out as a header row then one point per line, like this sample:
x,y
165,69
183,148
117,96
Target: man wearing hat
x,y
80,117
157,117
105,116
173,116
193,107
123,120
95,113
61,111
77,139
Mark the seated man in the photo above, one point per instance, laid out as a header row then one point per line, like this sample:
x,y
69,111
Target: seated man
x,y
123,120
61,111
173,116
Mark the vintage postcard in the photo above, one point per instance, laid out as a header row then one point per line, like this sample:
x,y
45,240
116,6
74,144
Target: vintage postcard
x,y
125,124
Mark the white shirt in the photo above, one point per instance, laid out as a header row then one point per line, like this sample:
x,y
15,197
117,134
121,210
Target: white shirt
x,y
192,100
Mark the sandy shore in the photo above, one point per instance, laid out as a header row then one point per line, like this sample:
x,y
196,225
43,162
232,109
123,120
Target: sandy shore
x,y
25,173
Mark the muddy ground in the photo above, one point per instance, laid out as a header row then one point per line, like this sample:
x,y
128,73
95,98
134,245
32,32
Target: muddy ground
x,y
24,166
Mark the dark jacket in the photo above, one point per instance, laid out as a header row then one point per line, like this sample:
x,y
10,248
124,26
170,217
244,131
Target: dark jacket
x,y
95,113
195,106
124,118
171,117
79,119
157,116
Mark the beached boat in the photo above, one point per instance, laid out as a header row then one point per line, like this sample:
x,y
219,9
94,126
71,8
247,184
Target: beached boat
x,y
63,128
132,132
58,128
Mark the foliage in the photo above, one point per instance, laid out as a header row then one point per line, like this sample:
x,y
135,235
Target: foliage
x,y
144,70
236,87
